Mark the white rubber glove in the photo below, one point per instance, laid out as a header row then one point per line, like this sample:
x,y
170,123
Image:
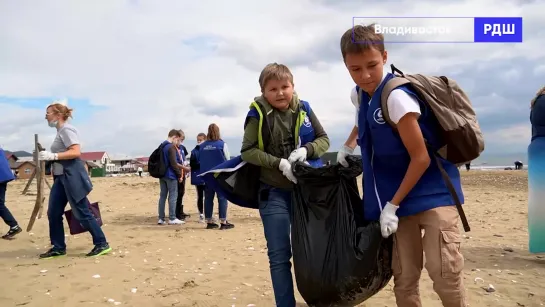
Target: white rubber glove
x,y
285,168
300,154
389,220
343,153
47,156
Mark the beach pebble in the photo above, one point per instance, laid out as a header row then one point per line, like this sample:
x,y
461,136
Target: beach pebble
x,y
490,288
133,290
508,249
43,271
478,279
96,276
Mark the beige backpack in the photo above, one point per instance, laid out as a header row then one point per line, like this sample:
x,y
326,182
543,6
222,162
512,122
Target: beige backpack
x,y
463,138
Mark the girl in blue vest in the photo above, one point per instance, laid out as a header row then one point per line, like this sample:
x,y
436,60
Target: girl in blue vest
x,y
6,175
198,182
212,152
402,189
281,106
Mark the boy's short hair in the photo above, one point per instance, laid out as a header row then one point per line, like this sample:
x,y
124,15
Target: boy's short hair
x,y
274,71
361,38
202,135
174,132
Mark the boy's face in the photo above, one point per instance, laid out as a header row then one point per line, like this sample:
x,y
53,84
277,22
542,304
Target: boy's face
x,y
200,139
279,93
366,68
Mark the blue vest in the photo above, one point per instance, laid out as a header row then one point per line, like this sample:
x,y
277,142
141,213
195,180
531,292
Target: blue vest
x,y
170,174
195,179
304,133
385,161
211,154
6,174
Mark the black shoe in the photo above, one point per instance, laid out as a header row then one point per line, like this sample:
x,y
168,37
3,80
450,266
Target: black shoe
x,y
185,216
99,250
226,225
12,232
53,253
212,226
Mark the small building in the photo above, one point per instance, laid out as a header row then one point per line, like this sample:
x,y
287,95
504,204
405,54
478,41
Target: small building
x,y
99,157
23,170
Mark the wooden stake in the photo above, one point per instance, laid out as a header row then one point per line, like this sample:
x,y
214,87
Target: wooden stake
x,y
40,178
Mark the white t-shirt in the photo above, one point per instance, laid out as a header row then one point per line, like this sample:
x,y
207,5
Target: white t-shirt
x,y
399,104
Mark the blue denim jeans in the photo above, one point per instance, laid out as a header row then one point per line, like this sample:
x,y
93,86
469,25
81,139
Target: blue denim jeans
x,y
168,187
81,211
209,194
5,214
275,211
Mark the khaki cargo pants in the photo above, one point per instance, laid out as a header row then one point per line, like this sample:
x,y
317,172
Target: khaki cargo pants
x,y
444,262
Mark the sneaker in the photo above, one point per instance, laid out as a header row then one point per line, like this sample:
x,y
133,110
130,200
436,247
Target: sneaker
x,y
226,225
12,232
201,218
99,250
176,222
212,225
161,222
53,253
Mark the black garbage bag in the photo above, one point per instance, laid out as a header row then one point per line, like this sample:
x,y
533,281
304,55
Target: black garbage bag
x,y
339,258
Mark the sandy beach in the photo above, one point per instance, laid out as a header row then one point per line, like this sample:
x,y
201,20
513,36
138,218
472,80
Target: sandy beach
x,y
190,266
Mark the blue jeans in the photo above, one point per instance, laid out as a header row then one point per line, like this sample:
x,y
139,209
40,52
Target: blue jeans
x,y
5,214
275,211
168,187
209,194
81,211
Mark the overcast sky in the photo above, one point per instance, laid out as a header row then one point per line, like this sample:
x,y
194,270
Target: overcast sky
x,y
132,70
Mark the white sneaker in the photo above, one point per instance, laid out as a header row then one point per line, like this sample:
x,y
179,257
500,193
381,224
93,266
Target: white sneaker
x,y
176,222
161,222
201,218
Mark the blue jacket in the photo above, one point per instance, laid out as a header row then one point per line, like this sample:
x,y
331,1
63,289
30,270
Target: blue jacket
x,y
75,179
537,117
6,174
385,161
195,167
211,154
170,174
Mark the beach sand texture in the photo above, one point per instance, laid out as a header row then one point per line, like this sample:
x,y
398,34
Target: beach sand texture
x,y
190,266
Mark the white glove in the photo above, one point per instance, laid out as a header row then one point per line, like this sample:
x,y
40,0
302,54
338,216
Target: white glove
x,y
300,154
388,220
285,168
342,154
47,156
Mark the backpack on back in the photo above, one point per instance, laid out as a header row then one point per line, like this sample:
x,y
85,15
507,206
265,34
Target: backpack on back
x,y
157,166
461,133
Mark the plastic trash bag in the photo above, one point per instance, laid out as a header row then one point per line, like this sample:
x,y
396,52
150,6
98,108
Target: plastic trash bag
x,y
339,259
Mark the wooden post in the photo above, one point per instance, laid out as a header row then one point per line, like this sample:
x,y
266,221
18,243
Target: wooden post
x,y
40,178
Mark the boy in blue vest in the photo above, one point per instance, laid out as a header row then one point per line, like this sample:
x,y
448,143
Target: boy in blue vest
x,y
6,176
402,189
169,183
281,106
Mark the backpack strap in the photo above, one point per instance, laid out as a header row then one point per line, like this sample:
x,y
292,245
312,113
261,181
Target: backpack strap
x,y
390,85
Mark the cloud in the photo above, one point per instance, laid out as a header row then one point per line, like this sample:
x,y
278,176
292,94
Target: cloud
x,y
141,68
